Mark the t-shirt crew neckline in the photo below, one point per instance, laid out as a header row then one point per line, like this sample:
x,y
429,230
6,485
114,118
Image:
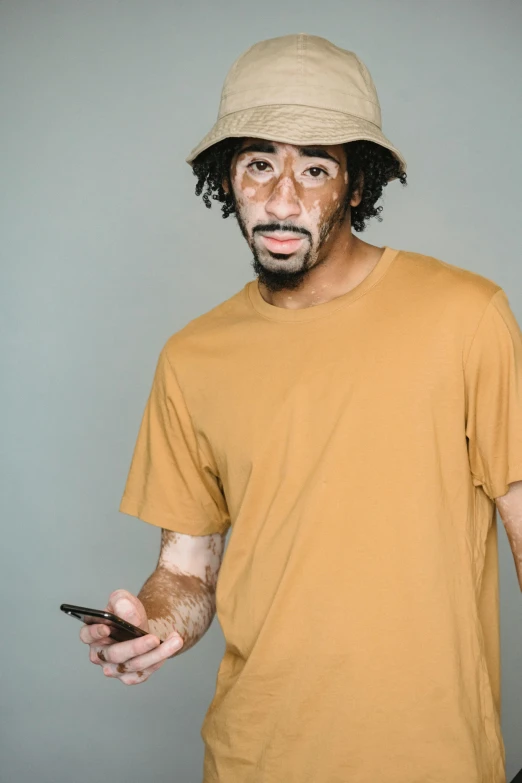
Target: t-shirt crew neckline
x,y
326,308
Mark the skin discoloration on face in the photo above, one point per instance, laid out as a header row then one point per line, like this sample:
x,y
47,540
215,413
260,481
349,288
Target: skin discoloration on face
x,y
294,205
289,193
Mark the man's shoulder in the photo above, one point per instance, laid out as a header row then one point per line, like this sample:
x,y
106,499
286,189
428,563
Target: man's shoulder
x,y
440,278
212,326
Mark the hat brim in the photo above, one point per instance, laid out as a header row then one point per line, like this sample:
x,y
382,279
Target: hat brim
x,y
299,125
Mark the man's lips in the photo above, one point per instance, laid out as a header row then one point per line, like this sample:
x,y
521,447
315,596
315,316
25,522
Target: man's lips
x,y
282,243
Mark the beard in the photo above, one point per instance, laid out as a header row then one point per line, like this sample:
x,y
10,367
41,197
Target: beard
x,y
279,278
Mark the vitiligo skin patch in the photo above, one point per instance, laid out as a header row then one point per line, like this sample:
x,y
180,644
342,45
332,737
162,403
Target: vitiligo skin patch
x,y
510,509
284,187
180,594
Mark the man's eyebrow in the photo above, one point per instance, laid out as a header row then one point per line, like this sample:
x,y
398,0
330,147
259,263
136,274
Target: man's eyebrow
x,y
317,152
258,146
304,152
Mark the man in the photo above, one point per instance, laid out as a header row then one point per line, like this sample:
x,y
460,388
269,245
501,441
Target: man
x,y
354,415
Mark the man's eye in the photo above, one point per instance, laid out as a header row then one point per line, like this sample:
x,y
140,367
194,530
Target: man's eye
x,y
316,172
260,165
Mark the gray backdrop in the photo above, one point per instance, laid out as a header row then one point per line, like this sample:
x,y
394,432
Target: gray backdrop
x,y
107,252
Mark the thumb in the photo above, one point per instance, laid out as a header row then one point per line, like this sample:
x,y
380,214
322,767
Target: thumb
x,y
174,635
125,608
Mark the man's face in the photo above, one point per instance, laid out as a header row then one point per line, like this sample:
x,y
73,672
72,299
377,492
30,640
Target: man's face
x,y
290,205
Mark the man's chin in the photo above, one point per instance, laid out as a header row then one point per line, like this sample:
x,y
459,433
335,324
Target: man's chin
x,y
288,274
286,263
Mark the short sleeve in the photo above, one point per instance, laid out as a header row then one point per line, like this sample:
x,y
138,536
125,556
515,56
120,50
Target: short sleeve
x,y
493,378
171,483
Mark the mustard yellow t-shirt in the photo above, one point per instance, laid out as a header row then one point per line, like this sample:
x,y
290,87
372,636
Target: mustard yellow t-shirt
x,y
355,449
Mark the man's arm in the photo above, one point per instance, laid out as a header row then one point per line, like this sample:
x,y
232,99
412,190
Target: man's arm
x,y
181,593
510,509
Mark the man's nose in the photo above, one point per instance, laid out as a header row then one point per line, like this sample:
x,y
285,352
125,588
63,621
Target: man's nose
x,y
284,202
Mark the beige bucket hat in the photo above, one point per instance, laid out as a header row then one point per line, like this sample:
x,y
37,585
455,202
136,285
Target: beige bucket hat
x,y
298,89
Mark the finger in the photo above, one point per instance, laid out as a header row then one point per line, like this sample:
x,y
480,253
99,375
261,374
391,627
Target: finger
x,y
136,678
121,652
127,606
97,652
117,595
92,633
112,670
125,609
157,656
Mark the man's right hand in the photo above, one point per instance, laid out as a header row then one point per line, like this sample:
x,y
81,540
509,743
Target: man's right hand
x,y
133,661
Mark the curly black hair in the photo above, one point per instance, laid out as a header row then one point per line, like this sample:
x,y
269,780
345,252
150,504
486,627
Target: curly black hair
x,y
376,164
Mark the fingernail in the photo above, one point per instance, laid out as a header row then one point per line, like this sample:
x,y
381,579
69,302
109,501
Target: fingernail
x,y
175,644
124,607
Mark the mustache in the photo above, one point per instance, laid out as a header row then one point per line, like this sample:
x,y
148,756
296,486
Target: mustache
x,y
281,227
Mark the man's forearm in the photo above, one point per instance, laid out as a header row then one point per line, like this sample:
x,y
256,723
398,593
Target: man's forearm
x,y
510,510
178,602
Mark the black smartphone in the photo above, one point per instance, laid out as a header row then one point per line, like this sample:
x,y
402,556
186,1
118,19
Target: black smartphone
x,y
121,630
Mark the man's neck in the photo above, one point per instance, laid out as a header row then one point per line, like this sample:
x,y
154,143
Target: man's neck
x,y
342,270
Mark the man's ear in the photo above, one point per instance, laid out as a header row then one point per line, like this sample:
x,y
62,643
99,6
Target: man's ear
x,y
357,194
225,185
